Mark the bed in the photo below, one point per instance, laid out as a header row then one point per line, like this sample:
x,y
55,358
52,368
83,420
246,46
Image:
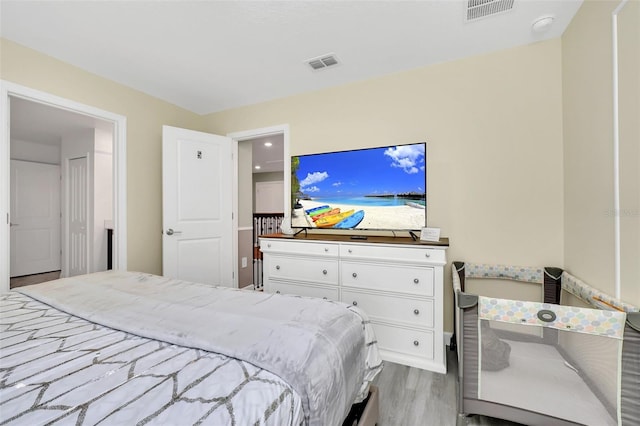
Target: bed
x,y
133,348
573,358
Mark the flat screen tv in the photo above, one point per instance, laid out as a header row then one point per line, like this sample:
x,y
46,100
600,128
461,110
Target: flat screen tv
x,y
380,188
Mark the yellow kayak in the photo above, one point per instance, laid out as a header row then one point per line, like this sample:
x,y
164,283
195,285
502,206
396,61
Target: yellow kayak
x,y
328,221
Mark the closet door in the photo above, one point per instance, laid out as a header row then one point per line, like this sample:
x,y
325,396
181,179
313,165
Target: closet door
x,y
35,218
78,181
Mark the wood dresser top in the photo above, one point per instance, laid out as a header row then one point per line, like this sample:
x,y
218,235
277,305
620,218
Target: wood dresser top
x,y
444,241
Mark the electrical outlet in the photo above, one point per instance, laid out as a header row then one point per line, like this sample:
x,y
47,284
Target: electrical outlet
x,y
244,262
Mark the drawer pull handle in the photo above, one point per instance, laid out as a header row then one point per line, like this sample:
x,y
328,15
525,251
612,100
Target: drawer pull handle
x,y
269,245
325,298
350,251
416,343
277,291
427,254
277,267
354,275
354,303
416,281
326,250
416,311
324,271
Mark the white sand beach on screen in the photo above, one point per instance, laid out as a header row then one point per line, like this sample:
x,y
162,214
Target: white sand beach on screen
x,y
375,217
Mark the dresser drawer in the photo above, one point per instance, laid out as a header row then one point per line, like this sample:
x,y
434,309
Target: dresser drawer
x,y
397,278
411,254
304,290
323,271
418,313
299,248
404,340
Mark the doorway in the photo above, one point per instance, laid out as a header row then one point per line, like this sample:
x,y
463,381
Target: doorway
x,y
262,160
61,192
73,123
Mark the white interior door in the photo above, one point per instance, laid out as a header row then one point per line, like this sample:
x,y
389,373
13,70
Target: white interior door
x,y
197,238
269,197
35,218
78,228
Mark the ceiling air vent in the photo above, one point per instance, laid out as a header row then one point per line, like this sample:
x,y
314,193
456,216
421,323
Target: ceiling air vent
x,y
323,61
477,9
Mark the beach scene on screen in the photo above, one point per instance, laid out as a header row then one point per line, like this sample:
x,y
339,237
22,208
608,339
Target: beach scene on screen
x,y
377,188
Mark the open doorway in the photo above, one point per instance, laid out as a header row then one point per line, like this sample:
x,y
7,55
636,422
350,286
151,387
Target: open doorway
x,y
263,176
61,180
109,134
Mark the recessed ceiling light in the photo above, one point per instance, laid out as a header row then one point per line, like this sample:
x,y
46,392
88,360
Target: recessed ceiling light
x,y
268,144
542,24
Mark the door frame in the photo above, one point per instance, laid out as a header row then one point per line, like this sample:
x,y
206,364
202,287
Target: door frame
x,y
244,135
8,89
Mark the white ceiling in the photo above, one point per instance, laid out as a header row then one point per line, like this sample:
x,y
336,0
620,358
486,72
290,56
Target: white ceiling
x,y
43,124
208,56
268,154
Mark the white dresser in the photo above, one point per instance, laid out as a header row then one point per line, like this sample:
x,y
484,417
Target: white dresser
x,y
397,282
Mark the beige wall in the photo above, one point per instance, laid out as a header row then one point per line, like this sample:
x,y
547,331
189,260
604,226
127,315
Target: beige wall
x,y
500,183
494,129
629,74
588,147
145,117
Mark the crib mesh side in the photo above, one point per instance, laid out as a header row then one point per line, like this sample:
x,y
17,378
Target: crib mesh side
x,y
574,376
596,360
630,393
470,352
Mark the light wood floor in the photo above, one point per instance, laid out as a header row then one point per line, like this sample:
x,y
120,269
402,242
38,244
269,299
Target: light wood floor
x,y
414,397
33,279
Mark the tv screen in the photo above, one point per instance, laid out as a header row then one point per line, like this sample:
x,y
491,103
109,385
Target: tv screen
x,y
371,189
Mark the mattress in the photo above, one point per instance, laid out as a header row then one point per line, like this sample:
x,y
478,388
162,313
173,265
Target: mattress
x,y
539,380
124,348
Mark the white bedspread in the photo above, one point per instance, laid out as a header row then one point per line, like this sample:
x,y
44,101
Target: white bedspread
x,y
324,350
58,369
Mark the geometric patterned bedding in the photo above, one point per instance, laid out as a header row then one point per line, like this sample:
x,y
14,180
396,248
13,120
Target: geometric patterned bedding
x,y
59,369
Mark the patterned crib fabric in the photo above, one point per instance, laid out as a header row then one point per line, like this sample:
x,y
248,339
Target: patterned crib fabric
x,y
517,273
567,318
594,297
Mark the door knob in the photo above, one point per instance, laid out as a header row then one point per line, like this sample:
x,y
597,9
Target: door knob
x,y
171,232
